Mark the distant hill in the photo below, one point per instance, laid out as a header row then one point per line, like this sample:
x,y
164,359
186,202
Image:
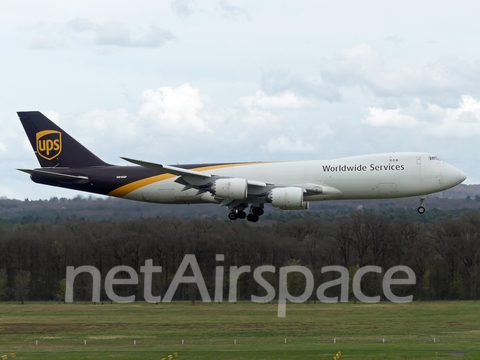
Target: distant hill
x,y
460,192
58,210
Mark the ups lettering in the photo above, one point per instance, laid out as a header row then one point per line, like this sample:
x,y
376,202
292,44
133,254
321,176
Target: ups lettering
x,y
48,145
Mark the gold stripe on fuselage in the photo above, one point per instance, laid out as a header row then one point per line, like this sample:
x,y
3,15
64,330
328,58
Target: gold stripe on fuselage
x,y
128,188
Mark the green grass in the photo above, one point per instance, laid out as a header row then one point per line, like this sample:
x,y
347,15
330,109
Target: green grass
x,y
209,330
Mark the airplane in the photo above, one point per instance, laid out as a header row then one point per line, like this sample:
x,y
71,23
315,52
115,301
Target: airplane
x,y
288,185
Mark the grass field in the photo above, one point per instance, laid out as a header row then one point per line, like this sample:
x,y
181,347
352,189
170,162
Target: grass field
x,y
209,331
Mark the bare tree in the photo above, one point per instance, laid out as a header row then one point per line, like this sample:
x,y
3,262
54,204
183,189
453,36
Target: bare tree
x,y
22,286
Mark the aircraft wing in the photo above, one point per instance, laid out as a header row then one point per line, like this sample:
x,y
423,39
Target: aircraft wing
x,y
187,174
167,168
203,180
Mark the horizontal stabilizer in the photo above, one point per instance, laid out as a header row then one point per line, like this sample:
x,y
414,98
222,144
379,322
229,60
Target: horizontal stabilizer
x,y
167,168
55,176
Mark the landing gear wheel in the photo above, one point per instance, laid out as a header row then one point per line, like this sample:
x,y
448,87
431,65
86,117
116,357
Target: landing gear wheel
x,y
232,215
252,218
241,215
421,210
258,211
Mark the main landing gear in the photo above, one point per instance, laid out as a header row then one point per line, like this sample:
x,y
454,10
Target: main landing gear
x,y
253,215
421,209
235,214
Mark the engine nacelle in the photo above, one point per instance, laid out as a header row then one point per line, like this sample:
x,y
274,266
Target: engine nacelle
x,y
233,188
288,198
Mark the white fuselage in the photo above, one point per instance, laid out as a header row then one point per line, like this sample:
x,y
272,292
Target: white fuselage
x,y
386,175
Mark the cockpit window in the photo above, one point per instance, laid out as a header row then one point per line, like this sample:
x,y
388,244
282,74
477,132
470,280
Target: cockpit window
x,y
433,158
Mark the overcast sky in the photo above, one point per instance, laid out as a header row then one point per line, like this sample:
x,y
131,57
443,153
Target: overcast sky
x,y
188,81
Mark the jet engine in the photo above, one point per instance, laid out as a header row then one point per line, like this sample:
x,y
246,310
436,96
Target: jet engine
x,y
232,188
288,198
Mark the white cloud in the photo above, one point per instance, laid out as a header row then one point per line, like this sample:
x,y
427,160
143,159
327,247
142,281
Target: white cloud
x,y
452,120
26,146
48,43
116,34
468,117
53,115
52,36
183,118
183,8
47,36
118,123
174,110
322,130
264,111
251,115
283,144
260,119
232,12
389,118
11,138
442,81
167,116
394,39
276,82
462,121
3,149
80,25
285,100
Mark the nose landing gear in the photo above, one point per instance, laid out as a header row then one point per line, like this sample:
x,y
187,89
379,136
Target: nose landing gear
x,y
421,209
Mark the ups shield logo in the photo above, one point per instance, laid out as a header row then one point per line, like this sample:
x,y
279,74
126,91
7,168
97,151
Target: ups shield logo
x,y
49,144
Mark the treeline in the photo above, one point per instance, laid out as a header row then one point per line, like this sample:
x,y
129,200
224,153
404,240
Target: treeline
x,y
57,211
444,255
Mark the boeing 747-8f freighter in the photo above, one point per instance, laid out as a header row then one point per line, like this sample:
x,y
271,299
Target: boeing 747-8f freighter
x,y
288,185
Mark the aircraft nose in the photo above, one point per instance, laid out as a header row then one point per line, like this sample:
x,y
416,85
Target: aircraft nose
x,y
453,176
